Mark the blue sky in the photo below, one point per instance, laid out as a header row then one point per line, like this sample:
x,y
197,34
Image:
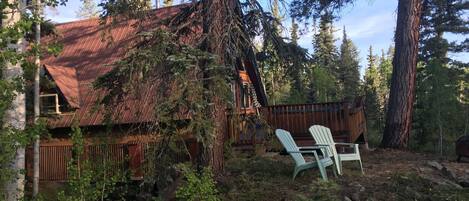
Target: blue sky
x,y
367,22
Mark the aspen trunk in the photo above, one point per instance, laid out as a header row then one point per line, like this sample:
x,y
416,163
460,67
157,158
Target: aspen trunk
x,y
37,61
15,117
399,114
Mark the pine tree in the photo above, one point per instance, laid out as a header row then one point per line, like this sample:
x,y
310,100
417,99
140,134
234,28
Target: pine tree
x,y
273,69
348,71
87,10
277,16
294,32
297,72
401,96
439,113
325,57
372,107
325,52
384,70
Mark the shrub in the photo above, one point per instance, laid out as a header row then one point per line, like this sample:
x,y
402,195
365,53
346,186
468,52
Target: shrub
x,y
198,186
88,180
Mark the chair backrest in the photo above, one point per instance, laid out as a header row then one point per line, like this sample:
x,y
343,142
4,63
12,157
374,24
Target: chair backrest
x,y
290,145
323,135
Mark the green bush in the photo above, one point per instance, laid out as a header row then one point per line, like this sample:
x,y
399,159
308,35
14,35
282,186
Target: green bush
x,y
198,186
88,180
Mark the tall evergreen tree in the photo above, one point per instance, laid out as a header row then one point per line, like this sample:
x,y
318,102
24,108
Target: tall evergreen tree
x,y
325,56
372,106
297,71
384,70
439,113
273,68
348,69
294,35
325,52
87,10
401,97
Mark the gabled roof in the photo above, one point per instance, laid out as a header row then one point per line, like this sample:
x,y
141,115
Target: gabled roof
x,y
66,80
86,51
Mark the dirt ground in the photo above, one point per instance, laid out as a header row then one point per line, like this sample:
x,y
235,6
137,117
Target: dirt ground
x,y
389,175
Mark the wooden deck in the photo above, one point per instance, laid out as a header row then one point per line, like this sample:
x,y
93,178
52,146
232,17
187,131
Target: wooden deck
x,y
346,121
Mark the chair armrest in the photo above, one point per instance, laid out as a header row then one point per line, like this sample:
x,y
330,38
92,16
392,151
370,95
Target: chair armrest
x,y
321,147
302,152
316,146
306,152
344,143
347,144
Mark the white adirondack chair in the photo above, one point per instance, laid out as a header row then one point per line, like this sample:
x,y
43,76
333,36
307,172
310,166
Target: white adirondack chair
x,y
322,135
296,153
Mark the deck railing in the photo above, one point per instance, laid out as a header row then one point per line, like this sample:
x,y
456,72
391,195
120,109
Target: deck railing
x,y
346,121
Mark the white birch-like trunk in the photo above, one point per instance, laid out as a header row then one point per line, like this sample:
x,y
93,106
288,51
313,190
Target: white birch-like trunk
x,y
37,62
16,115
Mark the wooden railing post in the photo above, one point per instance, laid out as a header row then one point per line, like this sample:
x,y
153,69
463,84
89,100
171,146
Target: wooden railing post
x,y
347,120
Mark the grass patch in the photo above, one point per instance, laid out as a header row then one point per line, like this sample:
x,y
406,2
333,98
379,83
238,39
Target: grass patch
x,y
265,178
411,186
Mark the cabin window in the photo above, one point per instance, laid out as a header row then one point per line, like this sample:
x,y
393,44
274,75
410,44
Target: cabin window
x,y
246,99
49,104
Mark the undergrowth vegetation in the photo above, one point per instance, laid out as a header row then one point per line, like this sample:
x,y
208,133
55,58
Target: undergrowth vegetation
x,y
411,186
388,176
265,178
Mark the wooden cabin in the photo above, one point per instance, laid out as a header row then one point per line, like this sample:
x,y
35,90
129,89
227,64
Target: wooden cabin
x,y
71,100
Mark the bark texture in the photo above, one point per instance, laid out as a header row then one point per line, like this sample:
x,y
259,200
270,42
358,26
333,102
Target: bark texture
x,y
402,93
214,15
16,115
37,61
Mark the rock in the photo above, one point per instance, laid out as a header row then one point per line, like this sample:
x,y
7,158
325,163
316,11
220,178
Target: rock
x,y
347,199
362,189
435,165
449,173
442,181
355,197
424,169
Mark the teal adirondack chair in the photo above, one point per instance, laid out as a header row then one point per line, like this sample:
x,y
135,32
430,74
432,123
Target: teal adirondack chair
x,y
296,153
322,135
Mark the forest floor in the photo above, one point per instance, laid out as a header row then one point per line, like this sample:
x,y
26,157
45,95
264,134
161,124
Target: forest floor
x,y
389,175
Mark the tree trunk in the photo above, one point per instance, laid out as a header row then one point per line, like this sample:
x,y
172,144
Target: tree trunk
x,y
399,114
216,15
16,116
37,61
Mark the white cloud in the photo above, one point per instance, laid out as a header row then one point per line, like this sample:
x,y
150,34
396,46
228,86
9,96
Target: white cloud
x,y
359,27
370,25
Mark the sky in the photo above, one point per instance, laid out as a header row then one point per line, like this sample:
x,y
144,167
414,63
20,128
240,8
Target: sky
x,y
367,22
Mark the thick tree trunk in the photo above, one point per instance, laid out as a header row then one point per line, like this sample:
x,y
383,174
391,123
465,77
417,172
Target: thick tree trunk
x,y
16,115
399,114
37,61
216,15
